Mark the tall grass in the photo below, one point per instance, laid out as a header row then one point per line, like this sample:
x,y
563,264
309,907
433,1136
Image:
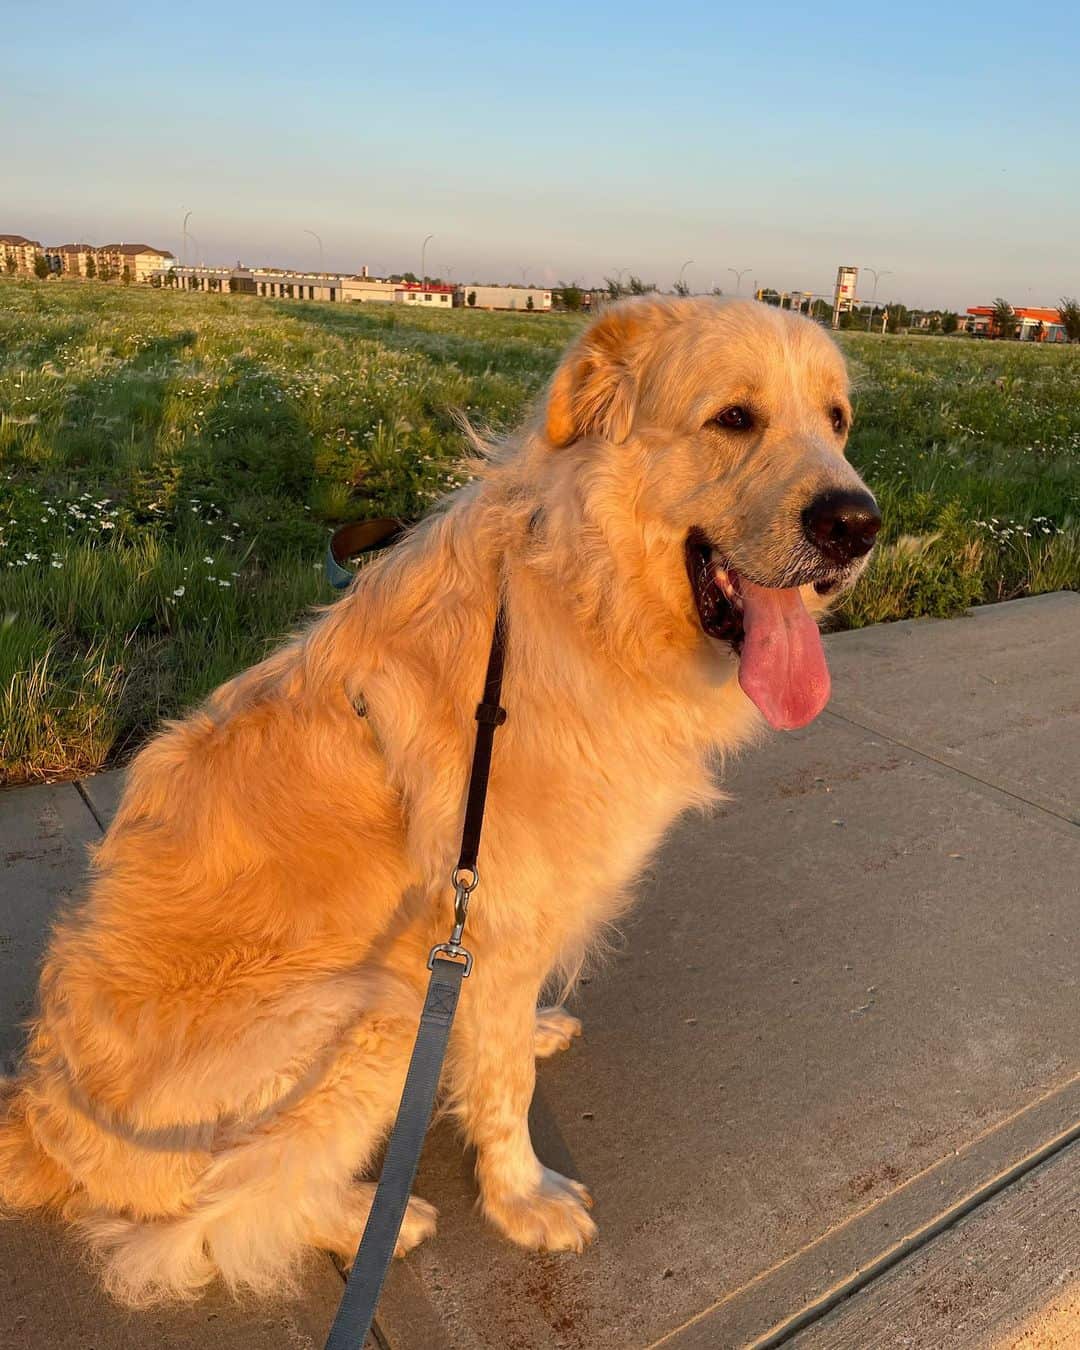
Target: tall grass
x,y
170,464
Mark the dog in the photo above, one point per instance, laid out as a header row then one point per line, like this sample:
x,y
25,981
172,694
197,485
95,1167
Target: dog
x,y
226,1019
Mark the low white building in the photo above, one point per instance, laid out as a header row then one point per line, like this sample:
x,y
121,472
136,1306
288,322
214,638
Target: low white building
x,y
284,285
527,298
272,282
364,290
435,295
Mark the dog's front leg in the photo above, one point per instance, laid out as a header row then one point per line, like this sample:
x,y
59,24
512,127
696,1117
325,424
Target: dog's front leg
x,y
493,1077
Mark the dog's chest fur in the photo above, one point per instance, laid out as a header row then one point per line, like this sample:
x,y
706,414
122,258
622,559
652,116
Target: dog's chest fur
x,y
582,791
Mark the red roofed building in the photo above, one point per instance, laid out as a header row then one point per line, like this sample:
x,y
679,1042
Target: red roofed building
x,y
1033,323
435,294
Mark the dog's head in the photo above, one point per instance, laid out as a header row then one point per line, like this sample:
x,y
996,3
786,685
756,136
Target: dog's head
x,y
723,424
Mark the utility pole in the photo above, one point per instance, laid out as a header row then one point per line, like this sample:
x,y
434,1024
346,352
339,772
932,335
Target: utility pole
x,y
423,259
873,299
322,260
739,276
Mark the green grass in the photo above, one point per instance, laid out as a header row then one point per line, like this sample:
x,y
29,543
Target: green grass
x,y
169,465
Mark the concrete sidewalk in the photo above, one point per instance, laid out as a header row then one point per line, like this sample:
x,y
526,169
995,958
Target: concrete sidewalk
x,y
841,1011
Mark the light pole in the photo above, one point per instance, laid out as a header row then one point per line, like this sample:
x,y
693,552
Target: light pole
x,y
423,259
322,260
873,299
738,277
682,270
184,236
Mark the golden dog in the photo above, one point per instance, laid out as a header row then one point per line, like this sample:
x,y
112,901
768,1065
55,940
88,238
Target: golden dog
x,y
225,1022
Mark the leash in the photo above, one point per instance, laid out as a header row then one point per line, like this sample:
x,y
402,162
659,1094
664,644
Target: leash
x,y
449,963
358,536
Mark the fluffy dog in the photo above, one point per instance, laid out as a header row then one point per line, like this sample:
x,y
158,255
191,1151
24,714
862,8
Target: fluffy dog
x,y
225,1021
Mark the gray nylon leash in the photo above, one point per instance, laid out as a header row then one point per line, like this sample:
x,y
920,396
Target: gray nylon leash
x,y
360,1299
449,963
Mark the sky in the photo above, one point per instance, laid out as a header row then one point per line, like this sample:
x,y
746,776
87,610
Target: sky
x,y
934,142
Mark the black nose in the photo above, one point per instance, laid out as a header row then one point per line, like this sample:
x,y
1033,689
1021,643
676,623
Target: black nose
x,y
842,524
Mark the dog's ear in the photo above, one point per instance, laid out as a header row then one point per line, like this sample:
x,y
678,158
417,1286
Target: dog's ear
x,y
594,391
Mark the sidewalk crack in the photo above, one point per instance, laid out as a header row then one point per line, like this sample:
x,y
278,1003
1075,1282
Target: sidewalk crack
x,y
952,767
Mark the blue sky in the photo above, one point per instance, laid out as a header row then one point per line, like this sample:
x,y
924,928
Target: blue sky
x,y
936,141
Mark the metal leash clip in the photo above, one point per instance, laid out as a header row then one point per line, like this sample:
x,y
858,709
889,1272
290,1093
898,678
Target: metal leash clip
x,y
462,891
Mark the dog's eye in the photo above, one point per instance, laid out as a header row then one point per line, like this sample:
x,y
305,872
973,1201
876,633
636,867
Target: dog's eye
x,y
734,419
839,420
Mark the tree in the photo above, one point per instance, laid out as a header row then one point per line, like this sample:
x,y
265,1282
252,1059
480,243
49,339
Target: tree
x,y
91,266
471,298
681,288
950,321
41,266
768,296
616,289
572,296
1069,311
898,317
1003,319
10,265
126,278
529,302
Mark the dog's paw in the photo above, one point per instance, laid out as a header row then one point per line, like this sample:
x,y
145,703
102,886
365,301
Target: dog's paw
x,y
343,1235
555,1029
553,1218
419,1223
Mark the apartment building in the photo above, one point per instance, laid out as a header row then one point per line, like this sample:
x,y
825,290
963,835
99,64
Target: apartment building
x,y
17,254
130,262
72,260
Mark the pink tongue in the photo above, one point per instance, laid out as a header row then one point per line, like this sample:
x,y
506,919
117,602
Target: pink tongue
x,y
782,666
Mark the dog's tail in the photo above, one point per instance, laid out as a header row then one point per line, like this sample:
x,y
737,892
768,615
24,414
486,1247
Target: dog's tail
x,y
29,1178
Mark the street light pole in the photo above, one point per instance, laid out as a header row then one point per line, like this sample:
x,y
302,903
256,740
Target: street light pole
x,y
682,270
184,237
873,299
423,259
738,277
322,260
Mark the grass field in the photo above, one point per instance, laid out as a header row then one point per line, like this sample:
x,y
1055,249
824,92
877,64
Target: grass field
x,y
169,465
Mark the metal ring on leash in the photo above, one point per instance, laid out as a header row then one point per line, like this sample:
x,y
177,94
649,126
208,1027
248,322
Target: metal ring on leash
x,y
459,885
